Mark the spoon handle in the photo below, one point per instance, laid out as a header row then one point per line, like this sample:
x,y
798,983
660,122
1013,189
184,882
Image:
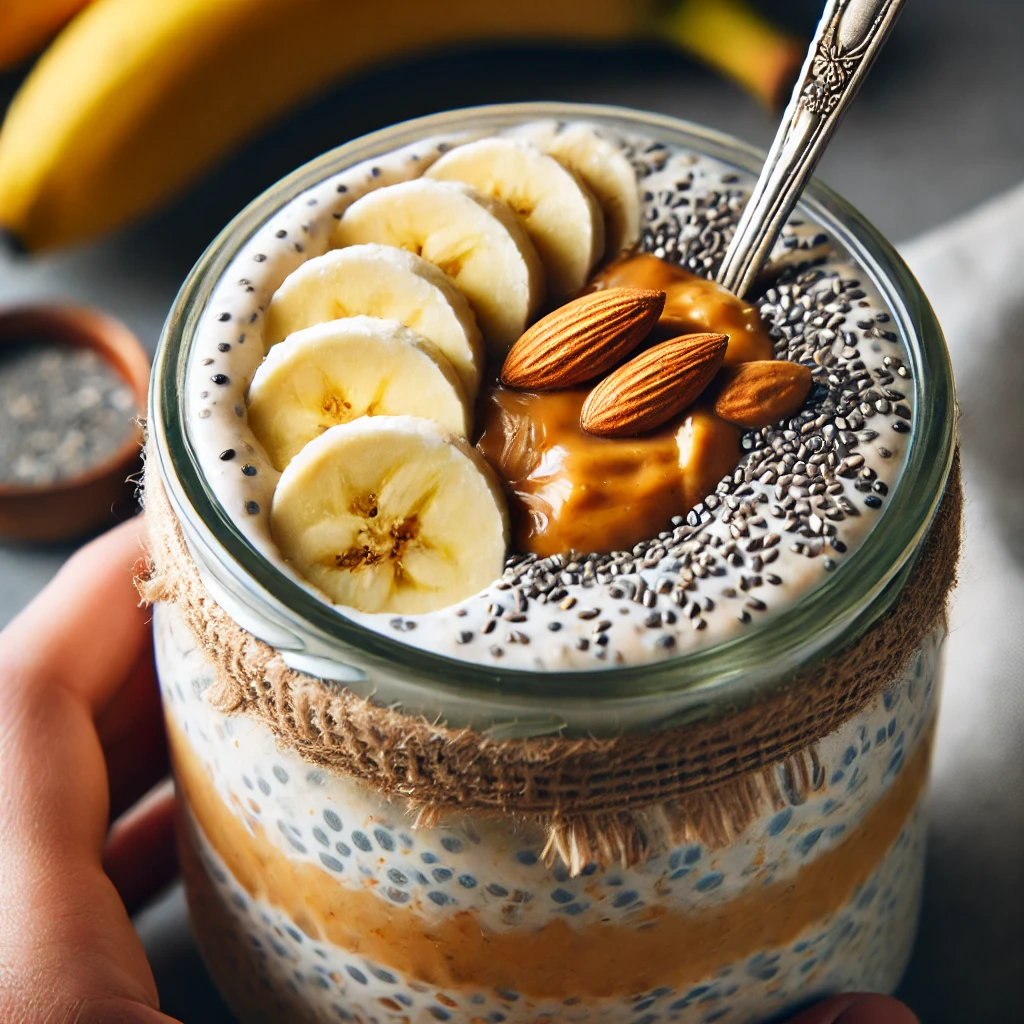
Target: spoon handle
x,y
847,40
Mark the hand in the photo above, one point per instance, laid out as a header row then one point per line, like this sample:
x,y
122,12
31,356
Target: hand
x,y
81,740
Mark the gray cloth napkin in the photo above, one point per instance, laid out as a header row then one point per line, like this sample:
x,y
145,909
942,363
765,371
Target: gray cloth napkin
x,y
967,966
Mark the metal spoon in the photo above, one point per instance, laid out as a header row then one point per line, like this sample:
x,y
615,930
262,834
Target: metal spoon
x,y
848,38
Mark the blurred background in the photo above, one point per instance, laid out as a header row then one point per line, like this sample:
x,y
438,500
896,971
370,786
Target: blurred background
x,y
936,130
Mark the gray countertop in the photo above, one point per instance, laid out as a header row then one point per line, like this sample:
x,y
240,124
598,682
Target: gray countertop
x,y
936,130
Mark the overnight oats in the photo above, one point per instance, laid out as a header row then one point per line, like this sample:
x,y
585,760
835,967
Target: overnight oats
x,y
545,632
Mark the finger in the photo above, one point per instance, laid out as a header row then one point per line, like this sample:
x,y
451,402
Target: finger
x,y
86,631
67,944
131,732
140,856
857,1008
65,935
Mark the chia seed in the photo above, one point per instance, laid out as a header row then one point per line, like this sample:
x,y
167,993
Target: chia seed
x,y
63,411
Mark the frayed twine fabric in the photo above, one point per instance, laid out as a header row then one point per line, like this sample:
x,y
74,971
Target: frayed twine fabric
x,y
602,800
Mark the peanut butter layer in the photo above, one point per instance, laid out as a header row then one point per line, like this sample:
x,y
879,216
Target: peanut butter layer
x,y
228,955
556,960
573,490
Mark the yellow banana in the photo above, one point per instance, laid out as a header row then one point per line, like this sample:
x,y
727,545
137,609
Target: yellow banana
x,y
26,24
729,36
135,99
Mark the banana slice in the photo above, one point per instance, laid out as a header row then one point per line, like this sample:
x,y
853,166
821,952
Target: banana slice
x,y
563,219
382,281
391,514
337,371
475,240
603,168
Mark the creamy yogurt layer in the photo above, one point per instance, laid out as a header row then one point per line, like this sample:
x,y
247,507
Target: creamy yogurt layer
x,y
804,495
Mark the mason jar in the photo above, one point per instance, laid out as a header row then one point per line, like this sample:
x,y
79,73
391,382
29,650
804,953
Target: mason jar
x,y
319,893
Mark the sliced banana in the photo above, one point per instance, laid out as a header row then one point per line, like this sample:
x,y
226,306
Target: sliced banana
x,y
563,219
603,168
338,371
391,514
475,240
381,281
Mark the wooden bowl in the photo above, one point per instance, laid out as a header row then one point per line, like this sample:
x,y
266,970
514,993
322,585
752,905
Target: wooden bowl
x,y
77,505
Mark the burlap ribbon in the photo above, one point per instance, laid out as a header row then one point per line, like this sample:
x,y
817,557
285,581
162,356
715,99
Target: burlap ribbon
x,y
603,800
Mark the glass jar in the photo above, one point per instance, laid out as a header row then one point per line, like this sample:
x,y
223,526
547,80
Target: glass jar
x,y
314,898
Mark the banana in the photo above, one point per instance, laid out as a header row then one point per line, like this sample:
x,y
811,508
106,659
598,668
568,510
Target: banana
x,y
134,100
476,241
602,167
391,514
27,24
560,214
382,281
337,371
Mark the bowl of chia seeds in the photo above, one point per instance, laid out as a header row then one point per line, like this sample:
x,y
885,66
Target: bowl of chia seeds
x,y
72,384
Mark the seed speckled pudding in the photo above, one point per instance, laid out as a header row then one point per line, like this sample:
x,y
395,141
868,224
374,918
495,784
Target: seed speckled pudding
x,y
804,495
316,900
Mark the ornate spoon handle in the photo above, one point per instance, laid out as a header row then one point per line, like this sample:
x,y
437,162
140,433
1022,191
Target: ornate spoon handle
x,y
847,40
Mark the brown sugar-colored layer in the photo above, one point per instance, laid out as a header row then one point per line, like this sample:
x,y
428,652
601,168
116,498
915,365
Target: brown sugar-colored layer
x,y
555,960
574,491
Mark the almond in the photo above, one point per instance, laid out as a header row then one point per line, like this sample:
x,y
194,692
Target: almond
x,y
762,392
581,339
654,386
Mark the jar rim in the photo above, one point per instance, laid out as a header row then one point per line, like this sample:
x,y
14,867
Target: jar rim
x,y
837,609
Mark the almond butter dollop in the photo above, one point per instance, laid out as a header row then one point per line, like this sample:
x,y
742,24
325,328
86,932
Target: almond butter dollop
x,y
570,490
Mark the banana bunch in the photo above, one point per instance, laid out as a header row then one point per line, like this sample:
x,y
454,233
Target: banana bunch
x,y
376,351
135,99
27,24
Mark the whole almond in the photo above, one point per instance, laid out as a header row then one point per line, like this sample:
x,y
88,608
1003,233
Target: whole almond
x,y
760,393
581,339
654,386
